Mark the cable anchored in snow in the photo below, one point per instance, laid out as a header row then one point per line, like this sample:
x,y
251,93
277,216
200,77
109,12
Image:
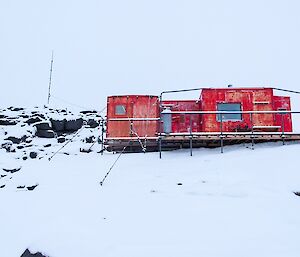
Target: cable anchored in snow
x,y
110,169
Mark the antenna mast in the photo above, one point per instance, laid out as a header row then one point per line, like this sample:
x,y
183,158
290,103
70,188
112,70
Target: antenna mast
x,y
50,78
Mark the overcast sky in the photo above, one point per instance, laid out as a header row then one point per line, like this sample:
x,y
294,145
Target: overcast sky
x,y
143,47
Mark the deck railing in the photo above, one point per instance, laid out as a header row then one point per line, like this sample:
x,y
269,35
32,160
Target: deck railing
x,y
221,134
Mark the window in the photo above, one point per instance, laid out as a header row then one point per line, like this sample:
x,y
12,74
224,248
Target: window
x,y
229,107
120,110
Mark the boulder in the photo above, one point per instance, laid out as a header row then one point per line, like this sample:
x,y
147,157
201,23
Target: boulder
x,y
90,139
42,125
61,139
6,122
33,155
8,146
16,140
73,125
45,133
92,123
27,253
33,120
58,125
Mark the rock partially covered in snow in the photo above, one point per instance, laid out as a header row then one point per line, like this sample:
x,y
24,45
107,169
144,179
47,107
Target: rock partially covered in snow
x,y
58,125
73,125
33,120
27,253
45,133
42,125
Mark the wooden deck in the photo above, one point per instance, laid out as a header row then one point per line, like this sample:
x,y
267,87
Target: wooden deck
x,y
195,140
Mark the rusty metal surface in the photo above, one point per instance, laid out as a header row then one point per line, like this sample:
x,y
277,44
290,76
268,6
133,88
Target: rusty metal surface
x,y
182,122
131,118
136,106
251,99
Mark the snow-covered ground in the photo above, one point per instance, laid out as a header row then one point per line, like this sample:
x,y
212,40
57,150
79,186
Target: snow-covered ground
x,y
236,204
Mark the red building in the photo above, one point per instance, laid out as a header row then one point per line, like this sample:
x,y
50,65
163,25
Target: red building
x,y
244,99
233,110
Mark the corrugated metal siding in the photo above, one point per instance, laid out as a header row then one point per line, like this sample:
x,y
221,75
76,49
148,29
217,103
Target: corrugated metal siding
x,y
137,106
181,122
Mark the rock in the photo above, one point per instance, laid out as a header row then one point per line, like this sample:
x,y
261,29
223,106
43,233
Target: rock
x,y
30,188
92,123
25,116
61,139
87,112
73,125
33,120
20,187
297,193
24,158
2,186
8,146
16,109
45,133
20,147
12,170
33,155
58,125
6,122
3,116
27,253
90,139
42,125
83,150
16,140
47,145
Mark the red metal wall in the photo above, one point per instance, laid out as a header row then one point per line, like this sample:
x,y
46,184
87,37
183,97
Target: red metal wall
x,y
181,122
136,106
282,103
251,99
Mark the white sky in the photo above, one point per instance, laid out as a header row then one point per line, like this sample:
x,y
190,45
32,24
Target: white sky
x,y
133,46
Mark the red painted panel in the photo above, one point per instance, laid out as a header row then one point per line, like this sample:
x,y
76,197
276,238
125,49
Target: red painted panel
x,y
282,103
251,99
181,122
136,106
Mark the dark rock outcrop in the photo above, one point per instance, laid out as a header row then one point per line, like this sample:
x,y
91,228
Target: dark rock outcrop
x,y
16,140
45,133
12,170
92,123
27,253
33,155
61,139
58,125
33,120
42,125
6,122
73,125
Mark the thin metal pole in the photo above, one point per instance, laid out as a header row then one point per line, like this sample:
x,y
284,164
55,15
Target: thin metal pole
x,y
50,78
252,136
160,125
221,135
102,136
191,137
282,129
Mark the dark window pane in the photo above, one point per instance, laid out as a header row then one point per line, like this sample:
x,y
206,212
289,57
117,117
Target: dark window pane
x,y
120,110
229,108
